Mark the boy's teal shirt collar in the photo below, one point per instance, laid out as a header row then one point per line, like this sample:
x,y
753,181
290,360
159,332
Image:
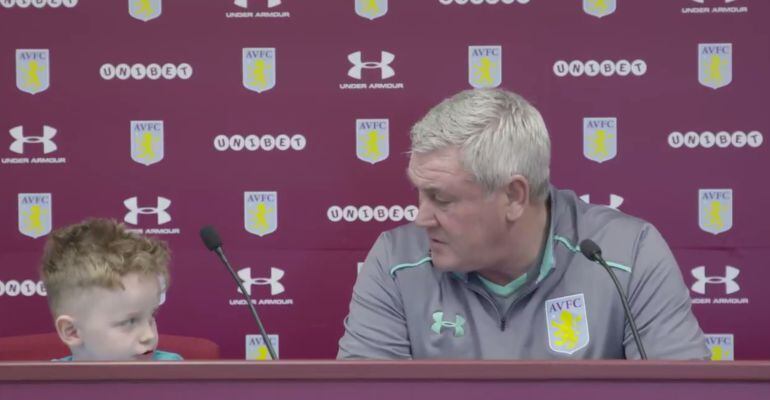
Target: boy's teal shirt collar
x,y
158,355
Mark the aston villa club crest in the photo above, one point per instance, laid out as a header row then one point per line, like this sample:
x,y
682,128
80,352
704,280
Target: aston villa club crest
x,y
600,139
259,69
33,70
721,346
715,64
35,214
260,212
485,65
147,141
372,140
567,322
145,10
599,8
715,210
256,349
371,9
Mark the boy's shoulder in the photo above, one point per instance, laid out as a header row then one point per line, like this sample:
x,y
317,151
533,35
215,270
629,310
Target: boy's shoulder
x,y
159,355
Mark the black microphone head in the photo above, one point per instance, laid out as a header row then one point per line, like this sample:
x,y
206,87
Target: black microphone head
x,y
590,249
210,237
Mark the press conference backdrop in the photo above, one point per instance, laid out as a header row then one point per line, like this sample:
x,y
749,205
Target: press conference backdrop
x,y
285,123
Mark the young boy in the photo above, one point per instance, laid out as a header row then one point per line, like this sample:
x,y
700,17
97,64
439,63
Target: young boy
x,y
104,287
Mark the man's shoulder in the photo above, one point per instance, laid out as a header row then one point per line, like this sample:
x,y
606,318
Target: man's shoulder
x,y
407,234
402,248
618,234
589,219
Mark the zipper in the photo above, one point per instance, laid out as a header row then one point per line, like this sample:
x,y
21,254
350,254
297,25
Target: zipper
x,y
516,301
502,318
485,296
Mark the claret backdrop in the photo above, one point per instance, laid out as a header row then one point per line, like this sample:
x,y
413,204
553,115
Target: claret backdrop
x,y
285,124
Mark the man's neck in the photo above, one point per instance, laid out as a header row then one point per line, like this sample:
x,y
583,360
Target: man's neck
x,y
528,239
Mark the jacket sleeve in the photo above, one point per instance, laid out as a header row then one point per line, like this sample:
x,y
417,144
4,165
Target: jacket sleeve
x,y
375,327
660,302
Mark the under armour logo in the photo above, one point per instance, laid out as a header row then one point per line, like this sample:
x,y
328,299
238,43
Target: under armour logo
x,y
18,144
384,65
728,280
615,200
245,3
132,216
439,323
274,280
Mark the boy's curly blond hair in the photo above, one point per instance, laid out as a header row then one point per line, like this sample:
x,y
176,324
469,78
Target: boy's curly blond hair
x,y
98,253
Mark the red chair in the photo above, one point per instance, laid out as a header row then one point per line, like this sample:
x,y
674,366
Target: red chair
x,y
47,346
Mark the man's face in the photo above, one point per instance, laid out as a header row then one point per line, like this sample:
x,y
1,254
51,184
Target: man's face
x,y
118,324
466,225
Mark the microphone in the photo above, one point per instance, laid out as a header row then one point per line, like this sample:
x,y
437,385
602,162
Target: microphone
x,y
213,242
593,252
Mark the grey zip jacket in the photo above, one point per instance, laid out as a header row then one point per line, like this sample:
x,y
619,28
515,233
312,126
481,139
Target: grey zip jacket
x,y
565,308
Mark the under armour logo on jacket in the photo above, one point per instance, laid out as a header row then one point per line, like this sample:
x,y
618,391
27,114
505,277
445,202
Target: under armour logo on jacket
x,y
439,324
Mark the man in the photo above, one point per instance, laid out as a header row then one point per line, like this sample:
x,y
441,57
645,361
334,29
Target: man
x,y
491,268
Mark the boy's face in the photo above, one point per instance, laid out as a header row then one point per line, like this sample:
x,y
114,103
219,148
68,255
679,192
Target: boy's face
x,y
118,324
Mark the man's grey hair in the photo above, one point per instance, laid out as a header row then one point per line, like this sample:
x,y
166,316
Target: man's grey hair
x,y
499,135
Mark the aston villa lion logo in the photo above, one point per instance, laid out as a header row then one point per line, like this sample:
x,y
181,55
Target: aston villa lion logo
x,y
715,64
372,140
147,141
35,214
260,212
33,70
145,10
599,8
567,323
600,139
715,210
485,66
259,69
371,9
721,346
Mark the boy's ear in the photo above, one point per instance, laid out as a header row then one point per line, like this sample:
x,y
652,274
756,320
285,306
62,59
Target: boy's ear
x,y
65,327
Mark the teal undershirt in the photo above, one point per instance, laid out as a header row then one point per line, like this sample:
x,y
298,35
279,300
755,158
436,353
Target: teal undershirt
x,y
158,355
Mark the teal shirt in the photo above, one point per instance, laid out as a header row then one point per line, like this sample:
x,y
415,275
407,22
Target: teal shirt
x,y
159,355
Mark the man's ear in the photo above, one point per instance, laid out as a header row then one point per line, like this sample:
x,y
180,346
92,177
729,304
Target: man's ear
x,y
68,333
517,196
